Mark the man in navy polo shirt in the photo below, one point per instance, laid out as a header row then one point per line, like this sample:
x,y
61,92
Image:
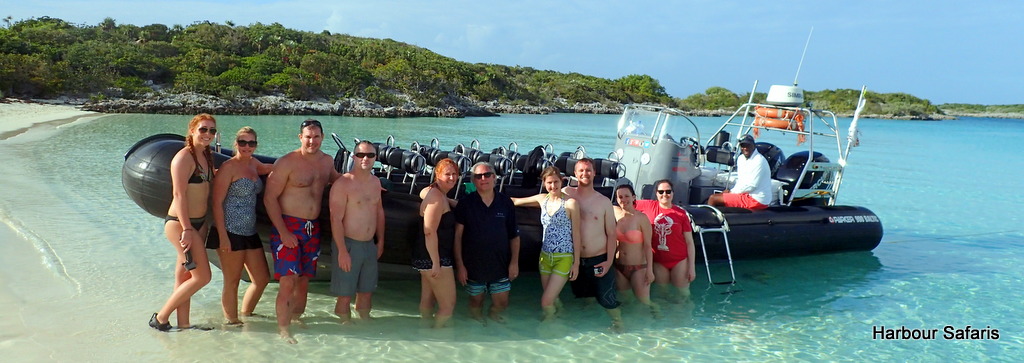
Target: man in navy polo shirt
x,y
486,244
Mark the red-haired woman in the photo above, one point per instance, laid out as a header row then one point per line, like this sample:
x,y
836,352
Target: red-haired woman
x,y
184,226
433,254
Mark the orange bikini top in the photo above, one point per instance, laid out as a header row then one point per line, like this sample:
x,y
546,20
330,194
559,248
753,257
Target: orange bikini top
x,y
633,236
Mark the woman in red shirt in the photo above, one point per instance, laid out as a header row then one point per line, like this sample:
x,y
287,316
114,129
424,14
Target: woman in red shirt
x,y
672,240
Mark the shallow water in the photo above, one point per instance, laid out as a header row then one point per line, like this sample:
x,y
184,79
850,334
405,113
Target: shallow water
x,y
945,192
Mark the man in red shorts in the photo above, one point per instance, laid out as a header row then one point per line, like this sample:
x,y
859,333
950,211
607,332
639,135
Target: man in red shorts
x,y
753,189
293,199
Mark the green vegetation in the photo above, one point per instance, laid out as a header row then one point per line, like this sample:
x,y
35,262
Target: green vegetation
x,y
961,108
48,57
840,101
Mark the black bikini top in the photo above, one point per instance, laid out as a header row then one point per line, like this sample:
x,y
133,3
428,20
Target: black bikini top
x,y
198,176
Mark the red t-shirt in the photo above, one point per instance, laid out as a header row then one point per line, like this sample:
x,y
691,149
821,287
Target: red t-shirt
x,y
668,227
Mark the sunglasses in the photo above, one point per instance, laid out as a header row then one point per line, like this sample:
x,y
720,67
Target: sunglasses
x,y
308,123
365,155
482,176
252,143
211,130
665,191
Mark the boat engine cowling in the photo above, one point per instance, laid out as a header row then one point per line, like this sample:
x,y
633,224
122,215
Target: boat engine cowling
x,y
773,154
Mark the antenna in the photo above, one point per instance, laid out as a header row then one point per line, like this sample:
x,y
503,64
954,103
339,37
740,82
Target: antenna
x,y
802,57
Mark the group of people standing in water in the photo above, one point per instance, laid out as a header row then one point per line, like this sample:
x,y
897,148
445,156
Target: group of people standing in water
x,y
474,241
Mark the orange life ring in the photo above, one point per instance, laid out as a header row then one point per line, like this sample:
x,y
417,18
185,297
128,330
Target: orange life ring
x,y
778,118
771,112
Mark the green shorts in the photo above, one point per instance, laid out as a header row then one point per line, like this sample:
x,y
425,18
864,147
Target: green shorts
x,y
555,263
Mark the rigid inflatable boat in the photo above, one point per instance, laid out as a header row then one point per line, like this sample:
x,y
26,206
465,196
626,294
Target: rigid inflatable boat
x,y
803,219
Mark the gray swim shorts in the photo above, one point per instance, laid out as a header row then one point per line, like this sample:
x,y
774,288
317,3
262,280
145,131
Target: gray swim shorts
x,y
363,275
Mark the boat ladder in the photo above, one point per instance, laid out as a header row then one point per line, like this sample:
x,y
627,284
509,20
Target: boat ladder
x,y
723,228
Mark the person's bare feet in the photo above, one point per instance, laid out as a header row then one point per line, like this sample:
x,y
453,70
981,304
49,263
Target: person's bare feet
x,y
478,315
287,336
442,321
496,317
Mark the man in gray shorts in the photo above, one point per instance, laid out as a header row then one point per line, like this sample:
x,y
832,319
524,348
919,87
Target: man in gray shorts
x,y
357,215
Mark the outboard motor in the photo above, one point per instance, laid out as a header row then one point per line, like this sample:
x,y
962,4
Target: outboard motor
x,y
790,171
773,154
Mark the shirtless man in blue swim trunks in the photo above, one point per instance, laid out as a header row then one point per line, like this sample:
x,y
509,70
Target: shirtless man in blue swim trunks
x,y
357,215
292,198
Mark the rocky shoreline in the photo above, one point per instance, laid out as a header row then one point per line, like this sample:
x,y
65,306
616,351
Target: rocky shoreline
x,y
194,103
986,115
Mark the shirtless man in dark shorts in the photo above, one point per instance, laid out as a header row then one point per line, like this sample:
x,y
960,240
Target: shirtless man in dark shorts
x,y
597,227
293,196
357,215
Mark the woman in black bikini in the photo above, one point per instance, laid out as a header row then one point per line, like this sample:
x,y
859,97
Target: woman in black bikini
x,y
185,227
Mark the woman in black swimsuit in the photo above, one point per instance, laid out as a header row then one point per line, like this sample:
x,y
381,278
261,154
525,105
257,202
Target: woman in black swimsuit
x,y
185,227
433,253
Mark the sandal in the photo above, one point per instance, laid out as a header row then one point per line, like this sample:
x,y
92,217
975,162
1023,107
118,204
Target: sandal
x,y
156,324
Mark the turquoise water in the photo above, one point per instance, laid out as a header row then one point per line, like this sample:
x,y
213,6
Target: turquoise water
x,y
946,193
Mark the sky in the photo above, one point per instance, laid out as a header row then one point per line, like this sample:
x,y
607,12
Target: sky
x,y
943,51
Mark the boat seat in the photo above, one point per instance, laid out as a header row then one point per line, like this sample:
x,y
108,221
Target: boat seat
x,y
720,155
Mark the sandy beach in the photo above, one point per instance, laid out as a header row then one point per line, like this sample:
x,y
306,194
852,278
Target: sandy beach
x,y
37,318
17,116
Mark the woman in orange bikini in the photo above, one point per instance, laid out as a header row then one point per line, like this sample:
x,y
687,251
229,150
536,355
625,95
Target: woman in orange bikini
x,y
635,256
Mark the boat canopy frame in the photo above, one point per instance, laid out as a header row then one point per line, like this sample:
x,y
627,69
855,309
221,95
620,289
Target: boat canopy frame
x,y
827,186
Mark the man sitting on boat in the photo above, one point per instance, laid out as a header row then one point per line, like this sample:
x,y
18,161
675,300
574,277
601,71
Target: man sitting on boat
x,y
753,189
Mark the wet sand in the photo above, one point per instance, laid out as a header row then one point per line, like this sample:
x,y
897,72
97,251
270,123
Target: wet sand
x,y
43,315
